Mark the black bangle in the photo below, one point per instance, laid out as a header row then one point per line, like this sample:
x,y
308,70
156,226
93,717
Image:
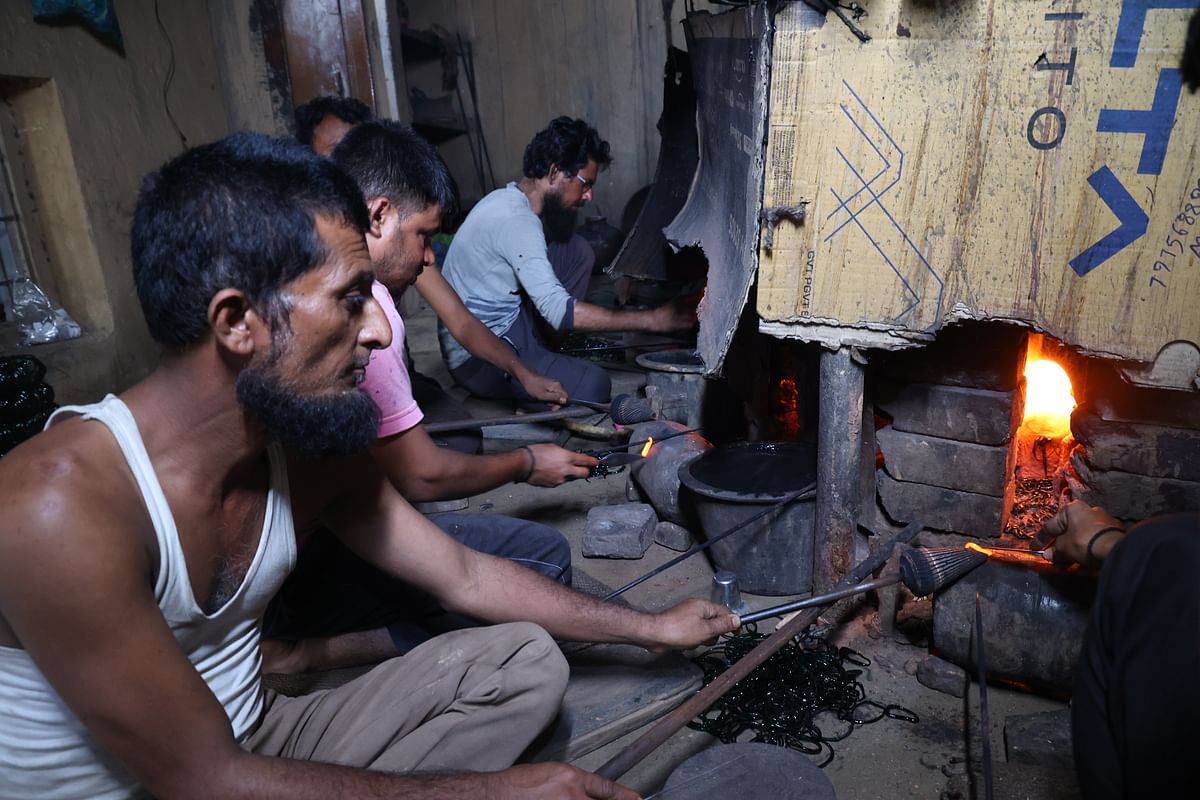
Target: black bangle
x,y
1091,556
532,463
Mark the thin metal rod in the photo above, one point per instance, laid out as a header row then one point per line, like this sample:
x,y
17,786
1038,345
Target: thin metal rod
x,y
667,725
984,725
573,401
820,599
512,419
809,491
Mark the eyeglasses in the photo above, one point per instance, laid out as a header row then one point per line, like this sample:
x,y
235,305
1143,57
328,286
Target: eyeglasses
x,y
587,185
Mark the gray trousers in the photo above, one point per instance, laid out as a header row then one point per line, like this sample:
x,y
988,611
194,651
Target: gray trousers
x,y
572,264
470,700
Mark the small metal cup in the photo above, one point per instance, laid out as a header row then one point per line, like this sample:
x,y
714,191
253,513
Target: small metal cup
x,y
726,592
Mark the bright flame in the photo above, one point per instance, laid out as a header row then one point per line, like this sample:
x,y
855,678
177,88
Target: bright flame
x,y
978,548
646,447
1048,399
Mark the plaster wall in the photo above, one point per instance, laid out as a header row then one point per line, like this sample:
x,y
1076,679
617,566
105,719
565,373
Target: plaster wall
x,y
116,113
601,60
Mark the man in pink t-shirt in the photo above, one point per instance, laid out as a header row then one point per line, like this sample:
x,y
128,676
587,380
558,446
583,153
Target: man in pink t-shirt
x,y
407,187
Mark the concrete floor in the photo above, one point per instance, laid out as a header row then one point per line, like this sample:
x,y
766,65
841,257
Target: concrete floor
x,y
937,757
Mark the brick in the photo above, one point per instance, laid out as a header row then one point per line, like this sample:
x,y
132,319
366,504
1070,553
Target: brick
x,y
1129,496
623,531
982,416
977,515
1146,449
951,464
956,359
1114,398
942,676
675,537
1042,739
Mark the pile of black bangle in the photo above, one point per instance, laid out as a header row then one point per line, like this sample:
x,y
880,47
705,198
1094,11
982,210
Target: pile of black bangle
x,y
780,700
26,401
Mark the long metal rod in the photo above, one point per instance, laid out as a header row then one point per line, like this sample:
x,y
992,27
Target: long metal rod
x,y
512,419
667,725
809,490
820,599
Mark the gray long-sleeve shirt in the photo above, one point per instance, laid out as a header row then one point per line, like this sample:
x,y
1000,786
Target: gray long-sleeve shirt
x,y
498,253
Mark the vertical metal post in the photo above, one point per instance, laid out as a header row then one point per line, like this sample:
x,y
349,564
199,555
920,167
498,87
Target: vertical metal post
x,y
838,453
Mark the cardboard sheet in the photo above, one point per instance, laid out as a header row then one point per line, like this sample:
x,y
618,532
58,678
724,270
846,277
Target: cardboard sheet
x,y
730,53
1028,160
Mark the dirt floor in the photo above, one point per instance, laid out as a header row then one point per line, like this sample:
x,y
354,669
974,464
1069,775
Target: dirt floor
x,y
938,756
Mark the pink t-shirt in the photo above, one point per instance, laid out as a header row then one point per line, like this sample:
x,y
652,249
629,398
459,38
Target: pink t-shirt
x,y
387,380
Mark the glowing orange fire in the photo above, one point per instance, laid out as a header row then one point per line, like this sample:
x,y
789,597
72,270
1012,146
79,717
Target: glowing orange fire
x,y
646,447
1048,399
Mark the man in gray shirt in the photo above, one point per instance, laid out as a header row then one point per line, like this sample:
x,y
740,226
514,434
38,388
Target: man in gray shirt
x,y
500,265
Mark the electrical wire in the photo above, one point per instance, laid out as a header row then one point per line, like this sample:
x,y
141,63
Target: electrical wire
x,y
170,76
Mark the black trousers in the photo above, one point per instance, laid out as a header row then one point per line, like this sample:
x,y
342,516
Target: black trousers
x,y
1136,704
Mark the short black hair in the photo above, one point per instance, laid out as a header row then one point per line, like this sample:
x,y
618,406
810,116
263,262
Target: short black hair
x,y
391,160
237,213
309,115
566,143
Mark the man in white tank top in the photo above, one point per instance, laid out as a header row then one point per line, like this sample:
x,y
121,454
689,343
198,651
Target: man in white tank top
x,y
143,536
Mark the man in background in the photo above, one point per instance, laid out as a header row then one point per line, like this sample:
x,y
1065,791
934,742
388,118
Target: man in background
x,y
527,292
321,123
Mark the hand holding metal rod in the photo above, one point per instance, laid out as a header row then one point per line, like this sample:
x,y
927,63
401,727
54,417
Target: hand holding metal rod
x,y
923,570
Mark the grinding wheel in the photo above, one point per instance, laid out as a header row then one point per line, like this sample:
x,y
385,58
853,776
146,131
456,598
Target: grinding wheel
x,y
747,770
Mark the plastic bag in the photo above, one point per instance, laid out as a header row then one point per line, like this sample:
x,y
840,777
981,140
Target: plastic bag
x,y
37,318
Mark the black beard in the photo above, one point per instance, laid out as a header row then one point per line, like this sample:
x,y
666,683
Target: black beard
x,y
325,426
558,220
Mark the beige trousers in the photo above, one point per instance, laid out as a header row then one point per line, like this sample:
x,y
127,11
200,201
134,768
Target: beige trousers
x,y
471,700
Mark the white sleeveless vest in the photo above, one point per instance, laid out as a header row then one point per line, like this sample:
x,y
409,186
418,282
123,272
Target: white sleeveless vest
x,y
45,752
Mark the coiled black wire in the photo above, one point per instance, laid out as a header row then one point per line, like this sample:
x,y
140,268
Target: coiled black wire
x,y
780,700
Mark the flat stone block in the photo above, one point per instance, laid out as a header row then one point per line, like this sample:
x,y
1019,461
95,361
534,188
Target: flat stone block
x,y
675,537
978,515
1146,449
942,676
1042,739
1129,496
623,531
951,464
955,357
982,416
1114,398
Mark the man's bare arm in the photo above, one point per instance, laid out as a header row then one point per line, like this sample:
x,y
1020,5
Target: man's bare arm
x,y
676,316
479,340
75,589
384,530
422,471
